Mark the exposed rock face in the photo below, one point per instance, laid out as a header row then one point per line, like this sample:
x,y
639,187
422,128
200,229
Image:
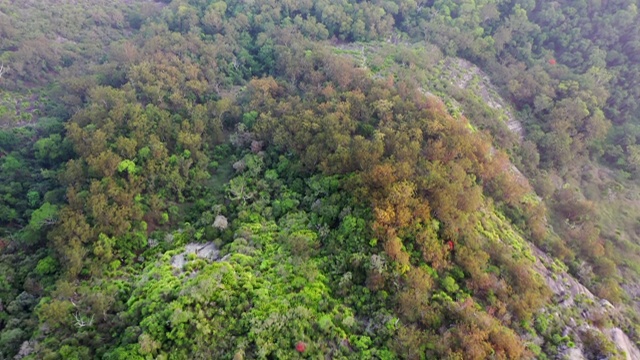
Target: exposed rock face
x,y
570,295
461,73
206,251
574,354
561,283
624,343
26,349
568,290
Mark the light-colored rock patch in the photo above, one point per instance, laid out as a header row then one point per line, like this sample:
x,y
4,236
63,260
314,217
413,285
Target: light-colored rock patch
x,y
206,251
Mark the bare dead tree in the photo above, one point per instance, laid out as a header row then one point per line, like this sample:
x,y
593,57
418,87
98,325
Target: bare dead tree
x,y
82,321
3,69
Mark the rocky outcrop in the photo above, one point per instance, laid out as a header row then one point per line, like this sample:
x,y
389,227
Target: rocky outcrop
x,y
206,251
461,73
623,342
570,294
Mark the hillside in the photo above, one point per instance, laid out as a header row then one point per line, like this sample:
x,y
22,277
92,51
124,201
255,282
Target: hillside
x,y
196,179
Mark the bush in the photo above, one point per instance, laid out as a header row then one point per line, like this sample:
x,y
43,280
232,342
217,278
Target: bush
x,y
47,266
10,340
449,285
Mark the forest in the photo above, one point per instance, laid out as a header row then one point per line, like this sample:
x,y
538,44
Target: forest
x,y
326,179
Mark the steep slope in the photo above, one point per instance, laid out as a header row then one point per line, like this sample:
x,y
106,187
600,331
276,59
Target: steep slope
x,y
360,206
474,83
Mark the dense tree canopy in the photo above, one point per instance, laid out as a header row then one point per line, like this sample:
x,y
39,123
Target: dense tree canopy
x,y
359,203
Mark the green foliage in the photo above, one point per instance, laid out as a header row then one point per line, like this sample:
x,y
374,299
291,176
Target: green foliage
x,y
47,266
12,339
50,150
249,119
46,215
449,285
33,197
128,166
278,305
363,216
